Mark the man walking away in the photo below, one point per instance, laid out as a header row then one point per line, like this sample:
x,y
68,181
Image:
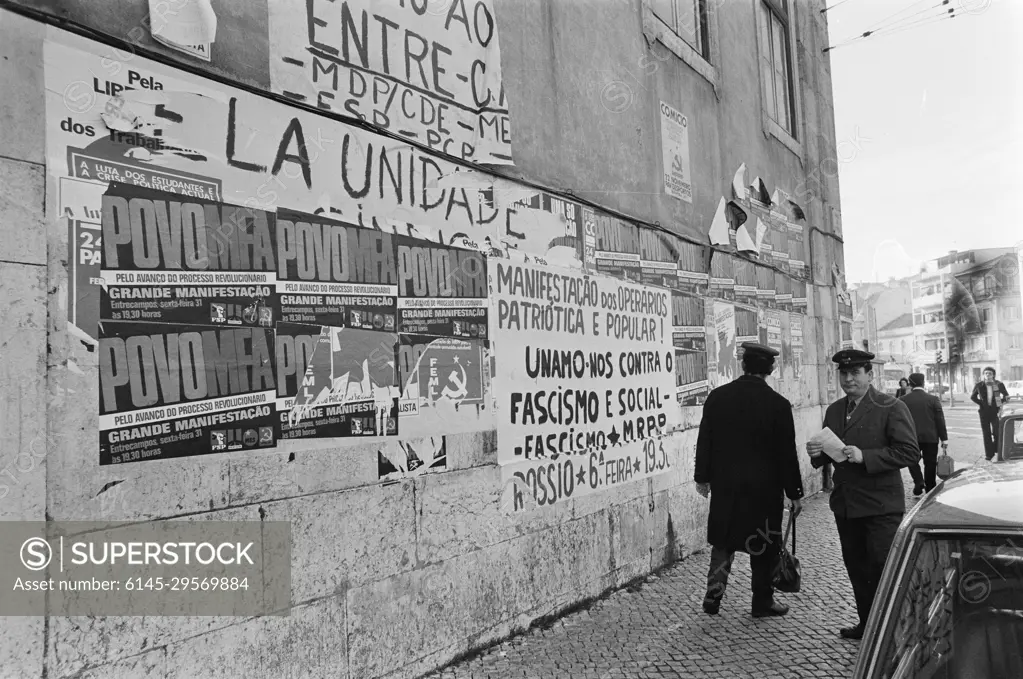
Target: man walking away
x,y
929,420
989,395
745,458
868,499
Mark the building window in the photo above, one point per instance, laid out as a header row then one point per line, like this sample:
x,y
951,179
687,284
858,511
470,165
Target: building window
x,y
985,315
688,20
931,345
776,65
1016,342
902,347
988,343
1010,313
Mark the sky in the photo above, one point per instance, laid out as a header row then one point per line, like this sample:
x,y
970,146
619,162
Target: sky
x,y
928,128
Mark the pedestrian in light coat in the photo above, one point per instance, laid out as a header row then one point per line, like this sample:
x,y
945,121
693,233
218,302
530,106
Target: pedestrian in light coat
x,y
746,458
868,498
929,420
989,395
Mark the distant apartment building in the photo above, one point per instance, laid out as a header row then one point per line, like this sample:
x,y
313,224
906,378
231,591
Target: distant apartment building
x,y
991,277
903,321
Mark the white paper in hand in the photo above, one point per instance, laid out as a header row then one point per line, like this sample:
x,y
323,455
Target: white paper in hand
x,y
832,444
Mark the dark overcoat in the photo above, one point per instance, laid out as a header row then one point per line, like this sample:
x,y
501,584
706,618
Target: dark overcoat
x,y
746,451
882,427
928,416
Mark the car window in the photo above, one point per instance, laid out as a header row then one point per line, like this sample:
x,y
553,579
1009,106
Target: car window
x,y
958,612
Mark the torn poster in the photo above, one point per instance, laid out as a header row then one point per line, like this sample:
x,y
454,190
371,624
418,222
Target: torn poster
x,y
336,382
445,385
739,183
189,27
398,460
719,227
725,343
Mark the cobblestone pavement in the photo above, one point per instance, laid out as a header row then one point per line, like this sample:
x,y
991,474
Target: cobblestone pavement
x,y
658,629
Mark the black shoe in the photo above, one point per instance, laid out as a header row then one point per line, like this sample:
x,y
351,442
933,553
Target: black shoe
x,y
776,609
851,632
918,490
711,608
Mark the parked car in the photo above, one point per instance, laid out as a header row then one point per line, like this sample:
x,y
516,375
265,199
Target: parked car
x,y
1015,389
950,600
1010,424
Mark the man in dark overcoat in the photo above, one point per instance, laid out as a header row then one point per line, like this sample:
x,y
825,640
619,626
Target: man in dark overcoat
x,y
746,457
929,420
868,498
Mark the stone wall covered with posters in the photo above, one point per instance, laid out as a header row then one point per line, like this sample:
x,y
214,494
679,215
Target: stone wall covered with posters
x,y
292,261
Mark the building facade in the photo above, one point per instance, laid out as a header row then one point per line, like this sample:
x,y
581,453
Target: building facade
x,y
376,236
978,290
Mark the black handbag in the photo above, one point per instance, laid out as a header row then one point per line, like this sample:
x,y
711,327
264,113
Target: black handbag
x,y
787,576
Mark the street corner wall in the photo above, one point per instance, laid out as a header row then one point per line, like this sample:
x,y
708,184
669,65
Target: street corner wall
x,y
475,401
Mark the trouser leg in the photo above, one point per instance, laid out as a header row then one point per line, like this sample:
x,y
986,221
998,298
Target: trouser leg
x,y
988,425
879,535
763,566
929,455
918,477
852,534
717,574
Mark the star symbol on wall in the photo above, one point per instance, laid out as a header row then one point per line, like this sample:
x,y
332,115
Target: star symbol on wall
x,y
581,477
635,465
613,436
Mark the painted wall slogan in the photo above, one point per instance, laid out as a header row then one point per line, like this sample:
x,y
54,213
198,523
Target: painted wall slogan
x,y
586,376
428,70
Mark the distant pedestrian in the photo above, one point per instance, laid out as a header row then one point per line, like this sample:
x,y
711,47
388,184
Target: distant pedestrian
x,y
989,395
903,389
746,458
868,498
929,420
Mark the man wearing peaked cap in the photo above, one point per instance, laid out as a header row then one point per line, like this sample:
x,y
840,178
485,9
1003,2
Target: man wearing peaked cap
x,y
868,499
745,470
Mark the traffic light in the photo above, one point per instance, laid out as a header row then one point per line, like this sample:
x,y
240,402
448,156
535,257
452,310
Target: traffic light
x,y
937,356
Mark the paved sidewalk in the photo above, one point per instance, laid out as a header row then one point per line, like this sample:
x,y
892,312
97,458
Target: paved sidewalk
x,y
658,629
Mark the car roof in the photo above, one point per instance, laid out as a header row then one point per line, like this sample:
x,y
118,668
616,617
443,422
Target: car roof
x,y
983,496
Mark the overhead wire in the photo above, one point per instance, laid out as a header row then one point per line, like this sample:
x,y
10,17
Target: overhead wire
x,y
890,25
911,16
919,24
